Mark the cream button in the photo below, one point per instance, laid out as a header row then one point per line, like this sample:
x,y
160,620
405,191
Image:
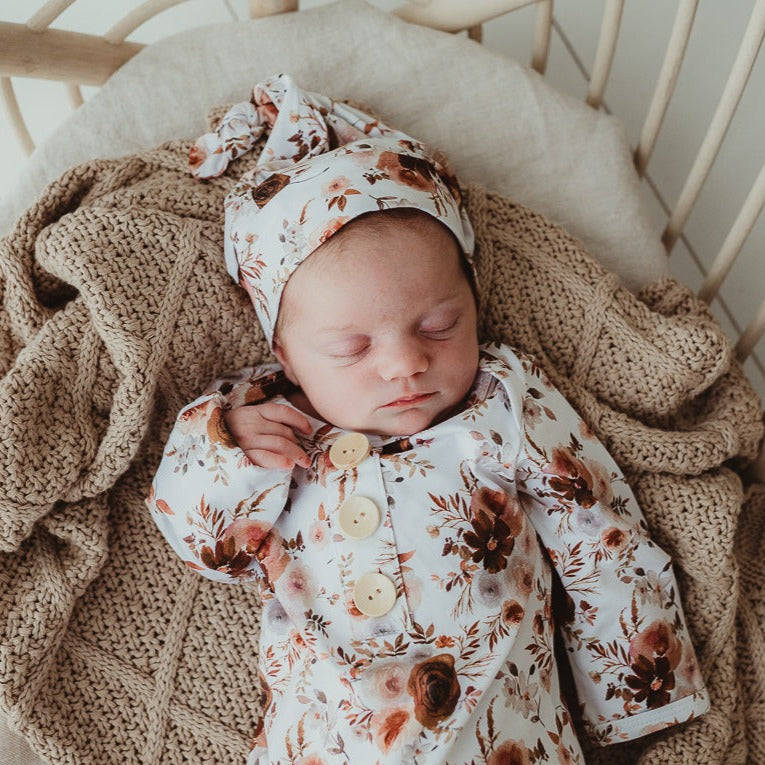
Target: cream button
x,y
358,517
349,450
374,594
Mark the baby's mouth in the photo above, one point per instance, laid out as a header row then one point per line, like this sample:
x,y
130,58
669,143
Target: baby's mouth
x,y
410,400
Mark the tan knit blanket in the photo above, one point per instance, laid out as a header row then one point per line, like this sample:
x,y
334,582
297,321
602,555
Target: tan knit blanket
x,y
118,310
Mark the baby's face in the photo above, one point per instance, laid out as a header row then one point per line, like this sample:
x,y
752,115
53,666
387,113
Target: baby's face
x,y
382,336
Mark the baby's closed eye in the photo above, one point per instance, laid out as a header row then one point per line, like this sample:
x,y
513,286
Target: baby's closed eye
x,y
440,328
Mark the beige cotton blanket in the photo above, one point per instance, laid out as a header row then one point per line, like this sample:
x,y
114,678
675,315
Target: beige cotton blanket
x,y
117,310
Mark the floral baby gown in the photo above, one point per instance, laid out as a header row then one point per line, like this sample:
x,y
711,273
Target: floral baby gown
x,y
406,583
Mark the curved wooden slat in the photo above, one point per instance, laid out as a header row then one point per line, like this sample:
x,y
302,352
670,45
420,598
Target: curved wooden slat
x,y
604,56
15,118
752,334
665,85
56,54
542,33
48,14
733,243
455,15
136,17
476,33
74,94
734,89
261,8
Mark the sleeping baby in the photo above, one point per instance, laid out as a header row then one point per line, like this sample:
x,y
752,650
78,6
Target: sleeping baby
x,y
402,495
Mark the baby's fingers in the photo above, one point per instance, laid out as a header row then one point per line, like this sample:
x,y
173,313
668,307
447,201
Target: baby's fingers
x,y
285,415
248,436
276,452
264,459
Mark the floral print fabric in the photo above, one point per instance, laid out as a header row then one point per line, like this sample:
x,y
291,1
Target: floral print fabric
x,y
476,512
324,164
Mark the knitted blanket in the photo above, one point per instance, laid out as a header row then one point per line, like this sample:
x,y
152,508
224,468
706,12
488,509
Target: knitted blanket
x,y
117,310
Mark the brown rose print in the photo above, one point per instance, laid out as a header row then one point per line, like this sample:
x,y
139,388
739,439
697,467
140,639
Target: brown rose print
x,y
390,727
613,538
499,503
655,653
512,612
404,168
215,427
263,193
571,478
510,753
217,431
491,541
435,689
496,521
226,557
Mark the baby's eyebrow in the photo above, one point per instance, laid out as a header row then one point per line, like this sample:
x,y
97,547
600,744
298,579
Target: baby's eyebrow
x,y
339,329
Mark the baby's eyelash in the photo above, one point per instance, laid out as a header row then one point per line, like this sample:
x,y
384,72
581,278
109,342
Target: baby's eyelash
x,y
362,351
349,355
440,329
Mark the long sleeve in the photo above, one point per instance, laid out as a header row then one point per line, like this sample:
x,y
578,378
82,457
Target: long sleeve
x,y
632,660
215,507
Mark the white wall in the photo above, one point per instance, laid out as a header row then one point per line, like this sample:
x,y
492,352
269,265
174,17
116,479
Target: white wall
x,y
719,27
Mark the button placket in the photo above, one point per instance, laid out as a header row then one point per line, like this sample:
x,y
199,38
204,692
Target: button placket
x,y
364,536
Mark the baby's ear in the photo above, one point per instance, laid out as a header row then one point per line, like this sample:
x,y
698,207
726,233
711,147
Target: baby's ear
x,y
281,357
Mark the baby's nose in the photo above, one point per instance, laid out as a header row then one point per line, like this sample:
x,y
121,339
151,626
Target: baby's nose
x,y
403,360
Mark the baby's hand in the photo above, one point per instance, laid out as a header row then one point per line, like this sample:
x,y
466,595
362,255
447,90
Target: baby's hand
x,y
265,434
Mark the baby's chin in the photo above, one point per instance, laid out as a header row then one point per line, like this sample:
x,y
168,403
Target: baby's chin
x,y
408,426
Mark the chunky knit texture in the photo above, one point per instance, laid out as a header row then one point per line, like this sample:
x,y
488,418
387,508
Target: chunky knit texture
x,y
118,310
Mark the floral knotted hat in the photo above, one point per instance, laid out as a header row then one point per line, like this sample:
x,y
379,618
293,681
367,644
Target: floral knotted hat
x,y
324,164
